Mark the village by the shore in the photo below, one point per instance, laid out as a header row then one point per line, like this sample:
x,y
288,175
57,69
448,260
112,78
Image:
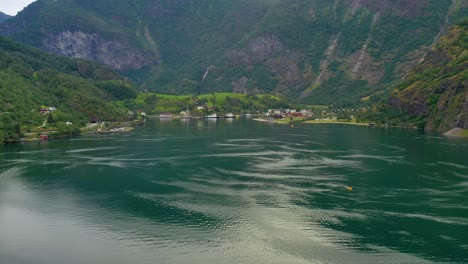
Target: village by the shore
x,y
274,116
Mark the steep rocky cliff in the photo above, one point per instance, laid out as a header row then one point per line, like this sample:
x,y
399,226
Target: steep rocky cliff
x,y
118,54
67,28
318,51
435,94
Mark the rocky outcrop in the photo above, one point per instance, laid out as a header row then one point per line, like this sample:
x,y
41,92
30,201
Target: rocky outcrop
x,y
456,132
411,100
257,51
281,64
115,53
263,47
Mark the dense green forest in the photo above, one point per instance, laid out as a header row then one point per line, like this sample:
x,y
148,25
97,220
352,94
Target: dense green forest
x,y
39,91
320,52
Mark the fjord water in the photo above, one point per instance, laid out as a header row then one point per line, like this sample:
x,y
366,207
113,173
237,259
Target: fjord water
x,y
204,191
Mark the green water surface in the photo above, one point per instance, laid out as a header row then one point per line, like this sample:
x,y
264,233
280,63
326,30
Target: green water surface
x,y
218,191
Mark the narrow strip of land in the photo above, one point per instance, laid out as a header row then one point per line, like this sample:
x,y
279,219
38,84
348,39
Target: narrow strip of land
x,y
286,121
275,121
336,122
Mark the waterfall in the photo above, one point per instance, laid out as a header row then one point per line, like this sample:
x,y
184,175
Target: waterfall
x,y
206,73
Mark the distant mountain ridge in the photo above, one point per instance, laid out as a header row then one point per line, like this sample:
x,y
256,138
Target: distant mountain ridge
x,y
318,51
3,17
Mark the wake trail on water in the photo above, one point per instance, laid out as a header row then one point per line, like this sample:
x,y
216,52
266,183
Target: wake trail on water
x,y
12,172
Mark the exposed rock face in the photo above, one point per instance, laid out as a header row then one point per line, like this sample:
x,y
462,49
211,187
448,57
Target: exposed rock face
x,y
368,70
411,101
258,50
264,46
114,53
282,64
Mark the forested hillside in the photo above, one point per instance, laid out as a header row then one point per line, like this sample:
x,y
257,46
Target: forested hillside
x,y
317,51
435,95
75,91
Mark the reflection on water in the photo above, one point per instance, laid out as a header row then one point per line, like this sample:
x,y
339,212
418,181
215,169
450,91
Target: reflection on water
x,y
236,192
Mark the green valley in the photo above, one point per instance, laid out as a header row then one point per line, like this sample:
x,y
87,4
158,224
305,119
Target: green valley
x,y
199,105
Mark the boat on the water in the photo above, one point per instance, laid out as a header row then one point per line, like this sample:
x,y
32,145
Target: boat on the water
x,y
212,116
230,115
248,115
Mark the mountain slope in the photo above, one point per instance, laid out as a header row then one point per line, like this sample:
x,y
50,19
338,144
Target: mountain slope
x,y
318,51
3,17
80,91
435,94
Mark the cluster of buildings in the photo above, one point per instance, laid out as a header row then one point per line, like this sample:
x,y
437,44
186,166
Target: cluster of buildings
x,y
289,113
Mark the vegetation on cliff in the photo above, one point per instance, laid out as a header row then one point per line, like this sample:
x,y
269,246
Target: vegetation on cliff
x,y
39,91
435,95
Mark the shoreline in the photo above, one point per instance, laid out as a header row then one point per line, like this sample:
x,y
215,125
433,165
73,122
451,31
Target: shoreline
x,y
114,130
125,127
263,120
119,130
336,122
286,122
129,126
